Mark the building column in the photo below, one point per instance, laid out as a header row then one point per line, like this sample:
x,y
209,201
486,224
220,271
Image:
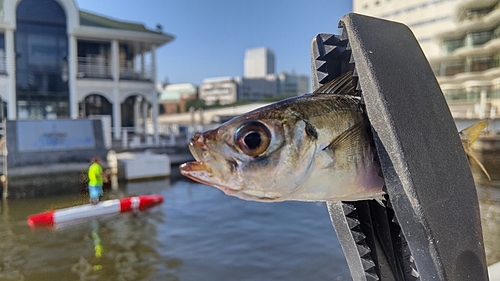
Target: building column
x,y
154,98
137,114
144,116
73,71
115,69
143,64
11,72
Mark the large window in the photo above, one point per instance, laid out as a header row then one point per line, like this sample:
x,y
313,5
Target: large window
x,y
476,64
94,59
455,95
475,38
452,67
450,45
41,60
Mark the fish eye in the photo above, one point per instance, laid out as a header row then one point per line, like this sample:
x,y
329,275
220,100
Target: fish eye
x,y
253,138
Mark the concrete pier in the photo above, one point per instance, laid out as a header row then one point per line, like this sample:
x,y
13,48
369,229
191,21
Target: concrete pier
x,y
53,179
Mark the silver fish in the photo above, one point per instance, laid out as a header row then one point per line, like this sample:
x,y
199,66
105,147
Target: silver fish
x,y
314,147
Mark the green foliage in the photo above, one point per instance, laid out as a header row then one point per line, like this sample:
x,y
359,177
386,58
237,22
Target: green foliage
x,y
196,104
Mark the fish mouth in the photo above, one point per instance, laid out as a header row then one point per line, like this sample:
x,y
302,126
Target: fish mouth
x,y
200,172
195,170
197,147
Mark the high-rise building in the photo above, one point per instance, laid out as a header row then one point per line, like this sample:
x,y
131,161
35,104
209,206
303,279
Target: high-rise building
x,y
461,40
424,17
258,83
468,68
259,63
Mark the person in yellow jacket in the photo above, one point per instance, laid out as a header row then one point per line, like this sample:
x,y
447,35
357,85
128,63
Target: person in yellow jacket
x,y
96,176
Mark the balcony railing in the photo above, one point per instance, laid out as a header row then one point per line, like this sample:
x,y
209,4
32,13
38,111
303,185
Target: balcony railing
x,y
477,38
476,14
94,67
3,62
448,46
98,67
130,73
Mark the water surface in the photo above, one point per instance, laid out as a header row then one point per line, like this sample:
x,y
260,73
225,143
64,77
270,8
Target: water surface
x,y
198,233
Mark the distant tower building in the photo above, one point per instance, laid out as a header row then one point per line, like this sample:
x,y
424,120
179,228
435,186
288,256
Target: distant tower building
x,y
259,63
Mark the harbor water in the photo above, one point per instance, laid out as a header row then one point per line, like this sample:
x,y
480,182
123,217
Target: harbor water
x,y
198,233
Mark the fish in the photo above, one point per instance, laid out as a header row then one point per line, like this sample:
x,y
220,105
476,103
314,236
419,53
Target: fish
x,y
313,147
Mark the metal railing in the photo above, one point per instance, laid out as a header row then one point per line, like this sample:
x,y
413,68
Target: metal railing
x,y
131,73
100,67
3,62
94,67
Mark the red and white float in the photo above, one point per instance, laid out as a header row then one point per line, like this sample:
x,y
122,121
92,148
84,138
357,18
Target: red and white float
x,y
104,208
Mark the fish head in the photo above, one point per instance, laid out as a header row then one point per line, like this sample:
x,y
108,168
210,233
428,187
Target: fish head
x,y
251,157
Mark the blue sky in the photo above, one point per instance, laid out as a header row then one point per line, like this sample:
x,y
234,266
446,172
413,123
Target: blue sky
x,y
211,36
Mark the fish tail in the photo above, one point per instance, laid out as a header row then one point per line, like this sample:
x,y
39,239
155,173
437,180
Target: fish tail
x,y
468,136
473,131
471,155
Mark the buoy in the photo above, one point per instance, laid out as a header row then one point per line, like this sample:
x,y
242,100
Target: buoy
x,y
104,208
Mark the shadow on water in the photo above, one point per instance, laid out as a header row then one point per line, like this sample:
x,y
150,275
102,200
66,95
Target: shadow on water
x,y
489,202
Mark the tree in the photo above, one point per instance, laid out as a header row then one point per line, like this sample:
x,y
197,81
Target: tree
x,y
195,103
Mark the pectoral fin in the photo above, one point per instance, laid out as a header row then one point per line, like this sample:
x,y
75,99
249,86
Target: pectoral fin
x,y
347,137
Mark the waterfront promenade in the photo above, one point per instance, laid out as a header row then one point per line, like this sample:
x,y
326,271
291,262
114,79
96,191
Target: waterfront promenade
x,y
173,139
57,178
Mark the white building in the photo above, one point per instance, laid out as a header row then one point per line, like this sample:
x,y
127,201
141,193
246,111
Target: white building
x,y
259,82
255,89
424,17
461,41
259,63
292,84
468,68
223,90
59,62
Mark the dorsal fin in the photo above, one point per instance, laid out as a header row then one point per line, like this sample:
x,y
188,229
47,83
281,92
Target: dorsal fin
x,y
342,85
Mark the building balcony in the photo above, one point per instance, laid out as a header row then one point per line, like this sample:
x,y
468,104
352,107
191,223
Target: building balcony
x,y
3,62
131,73
89,67
488,22
101,68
